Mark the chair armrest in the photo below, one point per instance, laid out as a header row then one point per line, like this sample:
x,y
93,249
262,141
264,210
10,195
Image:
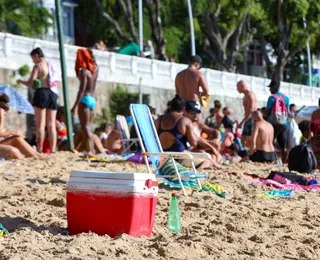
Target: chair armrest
x,y
201,155
170,154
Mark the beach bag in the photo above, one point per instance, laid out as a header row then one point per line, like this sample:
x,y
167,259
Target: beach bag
x,y
287,178
302,159
279,111
295,134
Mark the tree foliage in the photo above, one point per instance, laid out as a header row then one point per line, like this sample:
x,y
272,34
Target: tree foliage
x,y
24,17
222,23
281,24
223,28
120,101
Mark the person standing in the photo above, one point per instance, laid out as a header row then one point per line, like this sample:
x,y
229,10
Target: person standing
x,y
44,101
278,110
249,105
189,82
87,71
314,132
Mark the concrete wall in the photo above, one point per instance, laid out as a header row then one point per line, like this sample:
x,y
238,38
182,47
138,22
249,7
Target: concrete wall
x,y
158,98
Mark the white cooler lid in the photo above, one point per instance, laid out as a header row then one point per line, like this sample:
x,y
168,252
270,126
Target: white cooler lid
x,y
113,181
111,175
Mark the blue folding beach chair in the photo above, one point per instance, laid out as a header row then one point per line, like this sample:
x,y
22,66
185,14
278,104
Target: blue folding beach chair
x,y
151,146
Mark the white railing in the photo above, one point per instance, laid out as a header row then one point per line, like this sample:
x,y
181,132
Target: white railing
x,y
14,52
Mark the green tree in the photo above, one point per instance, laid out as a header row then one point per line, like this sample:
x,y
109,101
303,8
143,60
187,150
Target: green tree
x,y
120,100
122,15
23,17
222,24
280,24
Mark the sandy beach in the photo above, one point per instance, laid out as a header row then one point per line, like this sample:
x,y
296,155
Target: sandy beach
x,y
242,226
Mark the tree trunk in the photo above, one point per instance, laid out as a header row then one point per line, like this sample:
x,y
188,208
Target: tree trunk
x,y
154,7
278,71
220,44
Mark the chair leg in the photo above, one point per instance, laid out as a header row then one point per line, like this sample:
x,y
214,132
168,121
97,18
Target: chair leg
x,y
147,163
179,177
195,171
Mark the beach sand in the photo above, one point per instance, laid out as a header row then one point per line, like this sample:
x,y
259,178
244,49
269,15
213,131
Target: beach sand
x,y
243,226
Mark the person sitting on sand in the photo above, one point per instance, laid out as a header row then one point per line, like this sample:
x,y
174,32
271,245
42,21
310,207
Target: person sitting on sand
x,y
12,144
211,120
80,146
226,120
113,144
261,147
211,144
207,134
103,132
230,149
174,129
176,132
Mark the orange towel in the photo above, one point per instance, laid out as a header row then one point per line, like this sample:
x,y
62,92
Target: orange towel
x,y
84,60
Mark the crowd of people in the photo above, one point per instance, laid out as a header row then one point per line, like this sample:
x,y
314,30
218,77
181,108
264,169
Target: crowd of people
x,y
266,132
180,128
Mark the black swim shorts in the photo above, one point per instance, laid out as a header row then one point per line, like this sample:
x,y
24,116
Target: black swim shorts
x,y
261,156
45,98
281,134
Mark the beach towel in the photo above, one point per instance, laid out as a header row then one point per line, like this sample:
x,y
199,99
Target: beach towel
x,y
84,61
276,193
186,175
138,158
54,77
188,178
215,188
292,186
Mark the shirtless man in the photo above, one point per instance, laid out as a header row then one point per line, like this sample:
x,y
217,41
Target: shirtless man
x,y
209,145
189,81
250,105
87,72
261,148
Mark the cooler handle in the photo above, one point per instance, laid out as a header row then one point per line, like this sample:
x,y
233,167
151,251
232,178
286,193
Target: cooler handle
x,y
150,183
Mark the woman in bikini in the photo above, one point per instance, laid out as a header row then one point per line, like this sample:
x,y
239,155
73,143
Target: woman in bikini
x,y
176,131
315,132
44,102
12,144
87,71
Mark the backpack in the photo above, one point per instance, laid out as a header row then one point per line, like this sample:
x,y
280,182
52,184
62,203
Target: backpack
x,y
279,111
289,176
302,159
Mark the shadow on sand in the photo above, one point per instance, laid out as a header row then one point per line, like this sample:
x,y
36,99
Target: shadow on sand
x,y
13,224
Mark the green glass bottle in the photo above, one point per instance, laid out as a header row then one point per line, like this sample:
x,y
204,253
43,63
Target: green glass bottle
x,y
174,219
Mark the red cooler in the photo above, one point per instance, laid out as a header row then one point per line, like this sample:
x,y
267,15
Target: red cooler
x,y
111,203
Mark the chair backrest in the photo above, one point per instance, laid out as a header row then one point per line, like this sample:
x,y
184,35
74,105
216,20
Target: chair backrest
x,y
123,127
146,131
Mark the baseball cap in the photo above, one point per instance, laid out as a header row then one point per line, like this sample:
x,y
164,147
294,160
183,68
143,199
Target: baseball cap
x,y
193,107
274,83
196,58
